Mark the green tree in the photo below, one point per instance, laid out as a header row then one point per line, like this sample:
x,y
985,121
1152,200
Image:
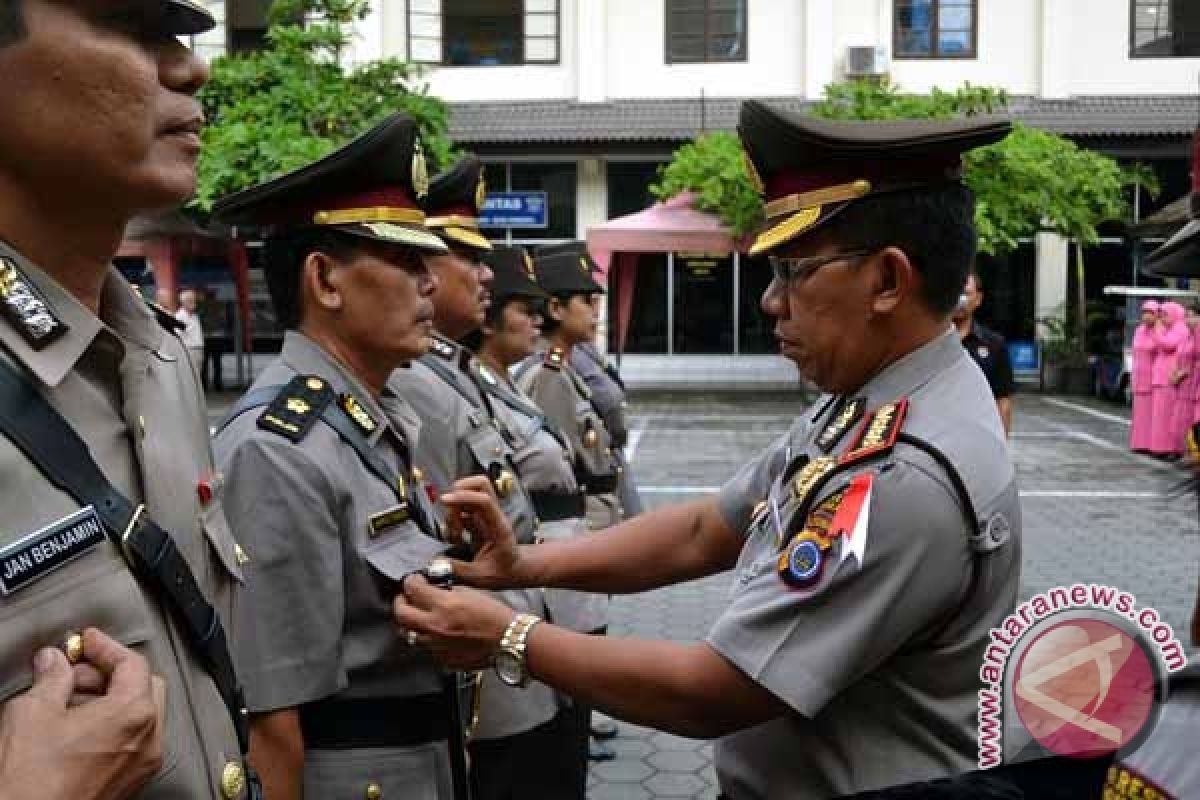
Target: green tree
x,y
714,167
279,108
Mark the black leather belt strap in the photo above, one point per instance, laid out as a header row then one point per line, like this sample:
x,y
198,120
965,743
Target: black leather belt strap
x,y
63,457
598,484
554,506
348,723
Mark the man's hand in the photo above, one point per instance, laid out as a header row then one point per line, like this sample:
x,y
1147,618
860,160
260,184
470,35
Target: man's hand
x,y
103,749
461,628
472,506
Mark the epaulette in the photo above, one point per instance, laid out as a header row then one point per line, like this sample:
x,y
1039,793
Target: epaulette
x,y
24,306
359,415
875,437
878,433
297,407
442,348
554,358
165,318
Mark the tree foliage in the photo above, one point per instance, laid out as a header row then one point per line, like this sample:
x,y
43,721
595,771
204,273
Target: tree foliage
x,y
713,167
277,109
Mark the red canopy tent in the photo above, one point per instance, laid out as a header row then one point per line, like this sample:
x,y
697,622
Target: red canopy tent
x,y
672,226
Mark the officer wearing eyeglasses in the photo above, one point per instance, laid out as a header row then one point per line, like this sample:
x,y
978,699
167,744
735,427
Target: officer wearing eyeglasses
x,y
873,546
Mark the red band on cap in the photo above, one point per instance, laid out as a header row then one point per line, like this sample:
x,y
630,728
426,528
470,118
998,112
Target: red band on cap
x,y
879,173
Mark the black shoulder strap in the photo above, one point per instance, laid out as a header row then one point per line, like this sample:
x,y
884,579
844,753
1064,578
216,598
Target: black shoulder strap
x,y
51,444
336,418
522,404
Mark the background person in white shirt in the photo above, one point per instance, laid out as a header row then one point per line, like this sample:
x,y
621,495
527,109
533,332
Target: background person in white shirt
x,y
193,333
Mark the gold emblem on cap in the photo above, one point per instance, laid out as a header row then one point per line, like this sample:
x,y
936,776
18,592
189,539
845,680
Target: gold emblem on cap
x,y
529,267
755,179
420,171
583,265
374,791
480,191
316,384
73,647
233,780
788,229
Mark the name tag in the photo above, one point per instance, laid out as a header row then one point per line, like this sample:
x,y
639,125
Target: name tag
x,y
380,523
35,556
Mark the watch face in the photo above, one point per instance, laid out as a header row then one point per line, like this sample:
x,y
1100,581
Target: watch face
x,y
509,668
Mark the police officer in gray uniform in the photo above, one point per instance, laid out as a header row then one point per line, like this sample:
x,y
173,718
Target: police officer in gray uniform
x,y
873,546
446,388
105,459
320,477
608,394
544,464
562,394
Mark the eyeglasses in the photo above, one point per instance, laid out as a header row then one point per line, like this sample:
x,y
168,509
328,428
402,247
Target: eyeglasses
x,y
788,271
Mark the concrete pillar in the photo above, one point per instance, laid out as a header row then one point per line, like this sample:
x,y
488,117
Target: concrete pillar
x,y
1052,256
1056,37
819,57
591,208
591,50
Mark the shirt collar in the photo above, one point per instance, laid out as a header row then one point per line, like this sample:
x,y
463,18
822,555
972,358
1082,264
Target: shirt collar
x,y
306,357
909,373
123,315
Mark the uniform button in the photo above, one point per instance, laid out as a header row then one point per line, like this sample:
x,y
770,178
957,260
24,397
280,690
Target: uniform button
x,y
417,474
505,483
240,555
73,647
374,791
142,427
233,780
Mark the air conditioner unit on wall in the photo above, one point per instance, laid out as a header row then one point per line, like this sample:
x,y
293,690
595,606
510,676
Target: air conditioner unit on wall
x,y
868,61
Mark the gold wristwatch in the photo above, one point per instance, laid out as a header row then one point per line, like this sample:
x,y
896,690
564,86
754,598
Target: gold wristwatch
x,y
510,657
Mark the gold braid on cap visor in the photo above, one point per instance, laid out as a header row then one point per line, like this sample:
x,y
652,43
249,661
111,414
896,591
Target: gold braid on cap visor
x,y
349,216
792,203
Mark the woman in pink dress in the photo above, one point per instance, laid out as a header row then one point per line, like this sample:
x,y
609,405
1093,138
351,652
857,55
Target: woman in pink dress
x,y
1170,333
1184,378
1140,384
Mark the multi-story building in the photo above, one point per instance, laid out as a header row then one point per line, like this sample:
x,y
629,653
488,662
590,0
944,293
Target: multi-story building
x,y
584,99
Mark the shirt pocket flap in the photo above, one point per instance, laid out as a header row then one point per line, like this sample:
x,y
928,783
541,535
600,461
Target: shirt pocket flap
x,y
395,556
220,537
487,447
99,592
416,773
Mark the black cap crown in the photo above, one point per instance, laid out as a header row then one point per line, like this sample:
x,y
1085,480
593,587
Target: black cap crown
x,y
809,169
514,275
367,188
454,201
567,272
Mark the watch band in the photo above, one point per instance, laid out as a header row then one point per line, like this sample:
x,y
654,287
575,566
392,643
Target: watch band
x,y
513,644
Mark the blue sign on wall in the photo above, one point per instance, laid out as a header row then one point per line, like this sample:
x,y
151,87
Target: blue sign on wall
x,y
514,210
1025,356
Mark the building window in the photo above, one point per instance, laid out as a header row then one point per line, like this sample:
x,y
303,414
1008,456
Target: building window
x,y
1165,29
936,28
701,31
483,33
557,180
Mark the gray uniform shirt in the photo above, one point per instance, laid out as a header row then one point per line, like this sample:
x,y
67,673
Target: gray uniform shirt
x,y
566,401
459,437
125,385
317,620
608,396
544,463
877,661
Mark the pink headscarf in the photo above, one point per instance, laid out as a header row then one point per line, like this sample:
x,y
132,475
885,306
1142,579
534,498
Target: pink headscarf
x,y
1175,312
1150,305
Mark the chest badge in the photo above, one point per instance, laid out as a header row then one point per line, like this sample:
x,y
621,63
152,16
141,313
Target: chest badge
x,y
35,556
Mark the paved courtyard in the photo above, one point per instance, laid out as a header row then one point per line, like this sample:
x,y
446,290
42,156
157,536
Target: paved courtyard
x,y
1092,511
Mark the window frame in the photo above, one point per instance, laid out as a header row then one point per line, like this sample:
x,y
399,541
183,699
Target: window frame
x,y
522,62
935,53
745,37
1133,31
